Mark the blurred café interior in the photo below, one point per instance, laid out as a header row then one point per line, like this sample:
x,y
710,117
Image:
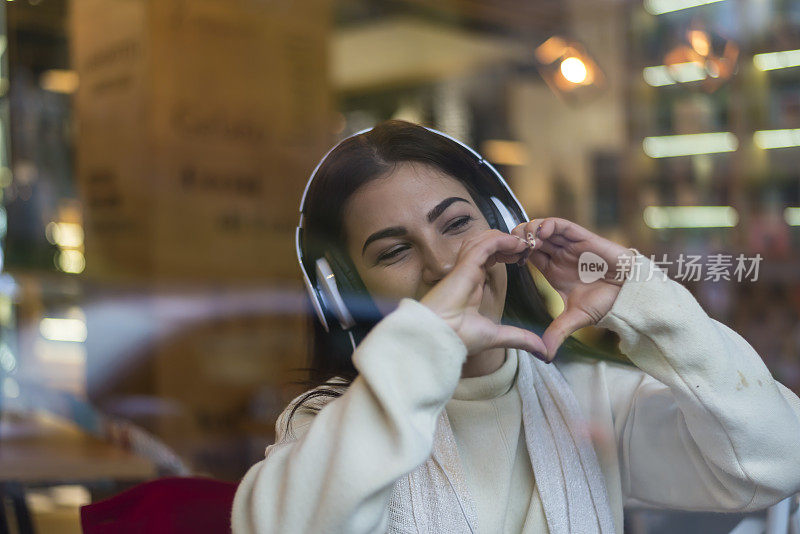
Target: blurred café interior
x,y
153,153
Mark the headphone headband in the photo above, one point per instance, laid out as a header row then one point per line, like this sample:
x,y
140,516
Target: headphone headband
x,y
325,295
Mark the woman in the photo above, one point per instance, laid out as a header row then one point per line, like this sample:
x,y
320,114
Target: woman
x,y
441,421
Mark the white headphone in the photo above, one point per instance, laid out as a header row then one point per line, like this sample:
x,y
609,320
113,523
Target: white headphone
x,y
324,292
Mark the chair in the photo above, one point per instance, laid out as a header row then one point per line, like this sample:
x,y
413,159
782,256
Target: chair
x,y
174,505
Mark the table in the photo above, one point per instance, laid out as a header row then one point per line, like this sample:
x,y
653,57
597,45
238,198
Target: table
x,y
38,449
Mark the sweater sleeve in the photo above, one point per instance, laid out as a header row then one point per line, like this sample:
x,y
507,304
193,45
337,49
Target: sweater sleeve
x,y
336,473
706,426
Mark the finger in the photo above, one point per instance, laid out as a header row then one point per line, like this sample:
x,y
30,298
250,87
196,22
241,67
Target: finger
x,y
559,240
546,250
491,247
532,232
567,231
479,254
513,258
540,260
561,232
570,320
530,227
519,257
547,246
526,232
512,337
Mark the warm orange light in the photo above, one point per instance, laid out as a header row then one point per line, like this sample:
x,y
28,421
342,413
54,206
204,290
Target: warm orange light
x,y
505,152
568,68
59,81
694,60
700,42
574,70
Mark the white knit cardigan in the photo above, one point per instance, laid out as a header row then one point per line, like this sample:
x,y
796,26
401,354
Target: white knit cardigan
x,y
700,425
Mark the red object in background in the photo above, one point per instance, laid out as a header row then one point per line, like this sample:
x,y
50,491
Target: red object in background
x,y
173,505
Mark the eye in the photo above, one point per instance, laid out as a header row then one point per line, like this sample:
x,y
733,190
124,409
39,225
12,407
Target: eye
x,y
459,223
391,254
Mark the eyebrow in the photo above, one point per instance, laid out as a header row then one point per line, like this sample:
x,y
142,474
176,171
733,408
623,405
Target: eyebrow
x,y
397,231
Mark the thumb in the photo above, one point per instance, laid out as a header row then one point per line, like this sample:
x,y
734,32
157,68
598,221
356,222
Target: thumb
x,y
512,337
570,320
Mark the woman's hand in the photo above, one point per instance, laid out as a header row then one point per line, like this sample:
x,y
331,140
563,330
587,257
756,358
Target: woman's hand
x,y
457,296
558,248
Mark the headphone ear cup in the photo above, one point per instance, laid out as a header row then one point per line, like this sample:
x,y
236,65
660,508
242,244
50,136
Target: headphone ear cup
x,y
348,280
495,221
327,286
359,305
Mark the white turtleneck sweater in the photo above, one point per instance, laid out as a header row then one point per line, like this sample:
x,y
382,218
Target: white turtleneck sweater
x,y
485,414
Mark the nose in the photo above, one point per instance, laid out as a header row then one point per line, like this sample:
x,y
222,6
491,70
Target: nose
x,y
438,260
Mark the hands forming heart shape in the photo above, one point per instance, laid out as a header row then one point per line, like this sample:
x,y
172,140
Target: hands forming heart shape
x,y
555,247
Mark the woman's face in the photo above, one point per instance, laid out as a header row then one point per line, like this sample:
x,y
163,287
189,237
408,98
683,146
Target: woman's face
x,y
404,232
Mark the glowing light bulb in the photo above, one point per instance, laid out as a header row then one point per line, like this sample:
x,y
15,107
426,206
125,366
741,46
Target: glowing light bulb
x,y
574,70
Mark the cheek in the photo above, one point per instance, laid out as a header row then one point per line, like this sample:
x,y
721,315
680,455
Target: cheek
x,y
388,285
